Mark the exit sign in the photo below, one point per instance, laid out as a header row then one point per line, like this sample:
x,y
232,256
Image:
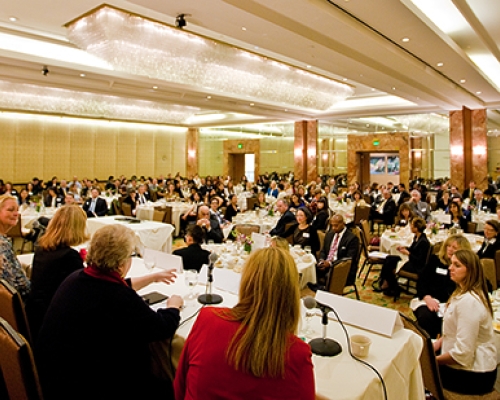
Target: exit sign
x,y
240,146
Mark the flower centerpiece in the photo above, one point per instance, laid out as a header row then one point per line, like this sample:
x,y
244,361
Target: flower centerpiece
x,y
434,227
243,240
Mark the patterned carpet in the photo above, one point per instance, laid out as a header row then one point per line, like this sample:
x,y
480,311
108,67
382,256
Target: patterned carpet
x,y
366,292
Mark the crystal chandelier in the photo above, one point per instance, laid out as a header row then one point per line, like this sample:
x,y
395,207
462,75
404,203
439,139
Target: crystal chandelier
x,y
139,46
21,96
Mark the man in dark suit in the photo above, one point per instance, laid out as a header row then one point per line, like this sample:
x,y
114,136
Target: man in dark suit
x,y
95,206
491,202
386,210
339,243
404,196
491,242
193,256
210,225
286,217
142,194
469,193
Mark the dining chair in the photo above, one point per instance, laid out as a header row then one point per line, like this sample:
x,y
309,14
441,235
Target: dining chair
x,y
370,259
471,227
321,239
117,207
361,213
18,373
12,309
158,215
16,232
337,276
167,219
413,276
127,209
489,271
251,201
153,194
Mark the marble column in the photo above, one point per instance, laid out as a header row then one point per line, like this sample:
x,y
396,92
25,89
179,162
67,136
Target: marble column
x,y
468,148
305,150
192,159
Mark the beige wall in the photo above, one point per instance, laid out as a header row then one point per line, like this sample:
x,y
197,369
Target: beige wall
x,y
44,147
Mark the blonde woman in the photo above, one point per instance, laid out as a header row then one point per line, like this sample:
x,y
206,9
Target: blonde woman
x,y
434,285
256,353
55,259
468,358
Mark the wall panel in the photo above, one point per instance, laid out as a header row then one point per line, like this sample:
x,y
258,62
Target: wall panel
x,y
82,142
145,153
56,151
8,131
29,152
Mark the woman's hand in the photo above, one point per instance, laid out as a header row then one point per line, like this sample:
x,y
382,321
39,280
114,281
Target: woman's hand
x,y
175,301
166,276
432,303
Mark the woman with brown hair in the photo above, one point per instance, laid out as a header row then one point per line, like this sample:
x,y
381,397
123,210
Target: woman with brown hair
x,y
256,354
468,356
55,259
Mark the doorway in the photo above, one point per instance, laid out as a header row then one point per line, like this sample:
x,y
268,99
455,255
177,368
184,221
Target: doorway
x,y
236,165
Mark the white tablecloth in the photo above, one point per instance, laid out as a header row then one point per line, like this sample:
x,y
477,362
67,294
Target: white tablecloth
x,y
153,235
481,218
340,377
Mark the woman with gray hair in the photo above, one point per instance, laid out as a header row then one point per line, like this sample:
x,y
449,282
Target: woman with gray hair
x,y
94,341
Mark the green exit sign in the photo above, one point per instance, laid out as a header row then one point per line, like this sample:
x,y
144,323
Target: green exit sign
x,y
240,146
376,142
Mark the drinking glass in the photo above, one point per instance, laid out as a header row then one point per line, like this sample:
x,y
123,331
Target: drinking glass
x,y
191,279
307,330
149,261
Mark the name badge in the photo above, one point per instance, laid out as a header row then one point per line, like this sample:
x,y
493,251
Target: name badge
x,y
305,234
424,209
442,271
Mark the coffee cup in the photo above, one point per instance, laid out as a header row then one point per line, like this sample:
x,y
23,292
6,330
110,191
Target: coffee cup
x,y
360,345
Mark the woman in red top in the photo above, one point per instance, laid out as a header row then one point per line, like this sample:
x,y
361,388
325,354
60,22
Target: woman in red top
x,y
250,351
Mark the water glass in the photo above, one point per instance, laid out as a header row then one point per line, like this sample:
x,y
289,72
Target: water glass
x,y
191,279
307,330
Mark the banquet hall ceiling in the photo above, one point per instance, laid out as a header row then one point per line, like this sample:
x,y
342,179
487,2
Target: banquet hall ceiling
x,y
391,54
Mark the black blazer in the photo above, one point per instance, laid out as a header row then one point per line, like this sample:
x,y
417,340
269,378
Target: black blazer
x,y
193,256
101,207
433,283
215,232
419,250
230,213
490,251
348,248
279,229
388,212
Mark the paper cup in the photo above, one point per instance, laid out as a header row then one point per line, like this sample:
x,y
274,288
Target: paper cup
x,y
360,345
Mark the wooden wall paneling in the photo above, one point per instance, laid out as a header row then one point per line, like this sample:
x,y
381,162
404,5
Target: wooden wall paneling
x,y
105,152
126,153
146,153
83,151
8,133
56,154
29,151
178,152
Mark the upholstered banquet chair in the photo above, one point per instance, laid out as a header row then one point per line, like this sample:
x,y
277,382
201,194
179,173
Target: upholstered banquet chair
x,y
12,309
18,373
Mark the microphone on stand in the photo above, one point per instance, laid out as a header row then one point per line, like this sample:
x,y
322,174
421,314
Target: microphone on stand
x,y
322,346
210,298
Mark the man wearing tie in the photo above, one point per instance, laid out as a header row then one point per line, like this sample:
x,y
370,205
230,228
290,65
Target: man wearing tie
x,y
339,243
469,193
386,210
95,206
142,195
491,243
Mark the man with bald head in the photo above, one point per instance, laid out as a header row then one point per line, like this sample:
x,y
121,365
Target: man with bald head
x,y
339,243
210,225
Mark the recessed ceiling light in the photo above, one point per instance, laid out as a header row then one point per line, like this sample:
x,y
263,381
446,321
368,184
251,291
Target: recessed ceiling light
x,y
405,39
155,87
252,104
209,97
462,81
439,64
82,75
13,19
345,79
308,66
479,92
286,109
243,28
372,89
393,88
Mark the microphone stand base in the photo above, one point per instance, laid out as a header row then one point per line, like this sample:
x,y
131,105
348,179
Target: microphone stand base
x,y
325,347
209,299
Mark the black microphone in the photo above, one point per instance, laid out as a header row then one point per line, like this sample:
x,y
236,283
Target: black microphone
x,y
322,346
210,298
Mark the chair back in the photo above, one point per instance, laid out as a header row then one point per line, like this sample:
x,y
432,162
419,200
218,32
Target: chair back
x,y
167,219
247,229
489,271
471,227
251,201
153,194
127,209
428,362
18,373
321,239
16,231
158,216
12,309
117,207
289,238
361,213
367,199
365,229
337,276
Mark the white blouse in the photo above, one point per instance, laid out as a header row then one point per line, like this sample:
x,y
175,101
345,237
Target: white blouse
x,y
468,334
